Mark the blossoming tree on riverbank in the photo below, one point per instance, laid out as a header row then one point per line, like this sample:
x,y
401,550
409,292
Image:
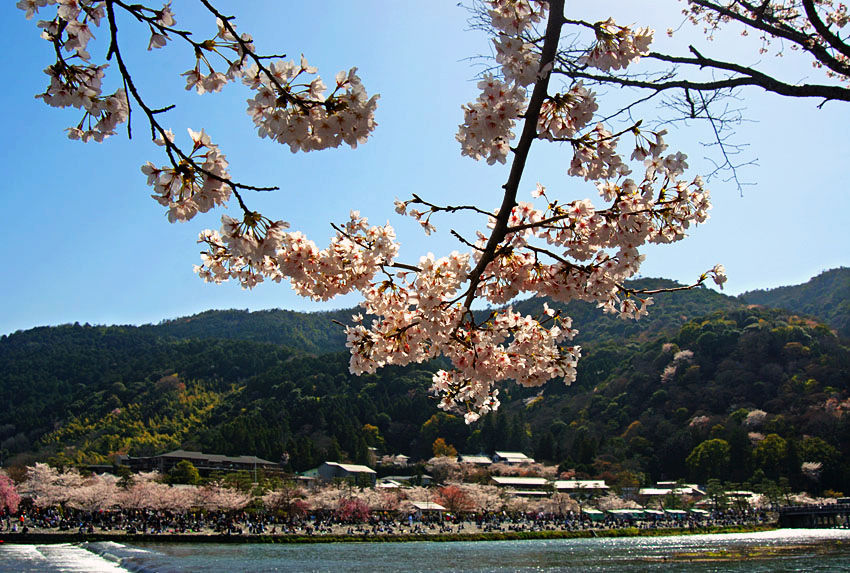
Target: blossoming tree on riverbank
x,y
9,496
536,242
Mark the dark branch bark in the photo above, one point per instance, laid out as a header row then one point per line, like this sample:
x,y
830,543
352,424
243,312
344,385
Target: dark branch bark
x,y
753,78
529,134
824,31
781,30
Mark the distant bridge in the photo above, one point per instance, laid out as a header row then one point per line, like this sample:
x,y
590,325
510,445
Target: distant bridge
x,y
831,515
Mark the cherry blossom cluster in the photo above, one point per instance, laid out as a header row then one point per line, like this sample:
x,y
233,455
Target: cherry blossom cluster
x,y
519,59
616,46
423,218
515,16
698,421
681,357
791,13
513,346
486,131
657,209
301,116
836,408
69,30
9,496
565,114
755,418
286,108
51,487
570,251
413,322
224,42
255,248
162,21
78,85
595,156
838,16
196,185
488,122
416,320
811,470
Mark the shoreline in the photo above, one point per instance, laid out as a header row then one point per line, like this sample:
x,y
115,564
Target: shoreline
x,y
54,538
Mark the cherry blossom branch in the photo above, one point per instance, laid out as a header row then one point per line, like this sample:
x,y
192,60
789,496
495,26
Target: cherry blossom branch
x,y
416,200
627,290
365,245
157,130
821,28
422,311
779,30
465,241
529,134
579,140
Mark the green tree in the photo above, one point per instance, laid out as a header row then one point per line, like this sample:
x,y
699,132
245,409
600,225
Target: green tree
x,y
715,492
770,454
184,472
709,459
333,453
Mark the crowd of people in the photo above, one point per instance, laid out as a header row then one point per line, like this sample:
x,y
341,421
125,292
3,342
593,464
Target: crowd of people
x,y
158,522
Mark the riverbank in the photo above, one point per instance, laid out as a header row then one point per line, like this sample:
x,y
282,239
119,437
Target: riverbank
x,y
69,537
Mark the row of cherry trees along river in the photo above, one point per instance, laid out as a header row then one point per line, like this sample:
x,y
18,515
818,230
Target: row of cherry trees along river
x,y
62,494
539,245
49,487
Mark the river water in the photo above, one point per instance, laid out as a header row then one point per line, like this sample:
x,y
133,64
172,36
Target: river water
x,y
781,550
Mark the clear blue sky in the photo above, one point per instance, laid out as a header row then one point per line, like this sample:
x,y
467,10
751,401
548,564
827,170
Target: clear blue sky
x,y
83,241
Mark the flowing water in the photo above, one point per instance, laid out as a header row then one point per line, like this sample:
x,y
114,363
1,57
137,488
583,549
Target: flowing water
x,y
782,550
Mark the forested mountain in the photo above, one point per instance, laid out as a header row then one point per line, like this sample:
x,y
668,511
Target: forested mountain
x,y
667,314
54,375
765,389
313,332
706,387
827,296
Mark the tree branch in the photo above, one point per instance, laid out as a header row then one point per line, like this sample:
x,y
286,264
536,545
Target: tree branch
x,y
824,31
156,127
781,30
529,134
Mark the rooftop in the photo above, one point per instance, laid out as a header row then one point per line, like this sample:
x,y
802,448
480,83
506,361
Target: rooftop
x,y
353,468
520,481
214,458
580,484
514,456
475,459
427,506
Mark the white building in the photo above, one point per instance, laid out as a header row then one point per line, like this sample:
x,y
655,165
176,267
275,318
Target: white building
x,y
330,471
512,458
581,486
524,486
475,460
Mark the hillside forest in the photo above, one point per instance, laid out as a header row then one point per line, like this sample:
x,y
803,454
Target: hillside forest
x,y
747,389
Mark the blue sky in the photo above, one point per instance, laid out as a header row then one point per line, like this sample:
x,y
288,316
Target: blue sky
x,y
83,241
